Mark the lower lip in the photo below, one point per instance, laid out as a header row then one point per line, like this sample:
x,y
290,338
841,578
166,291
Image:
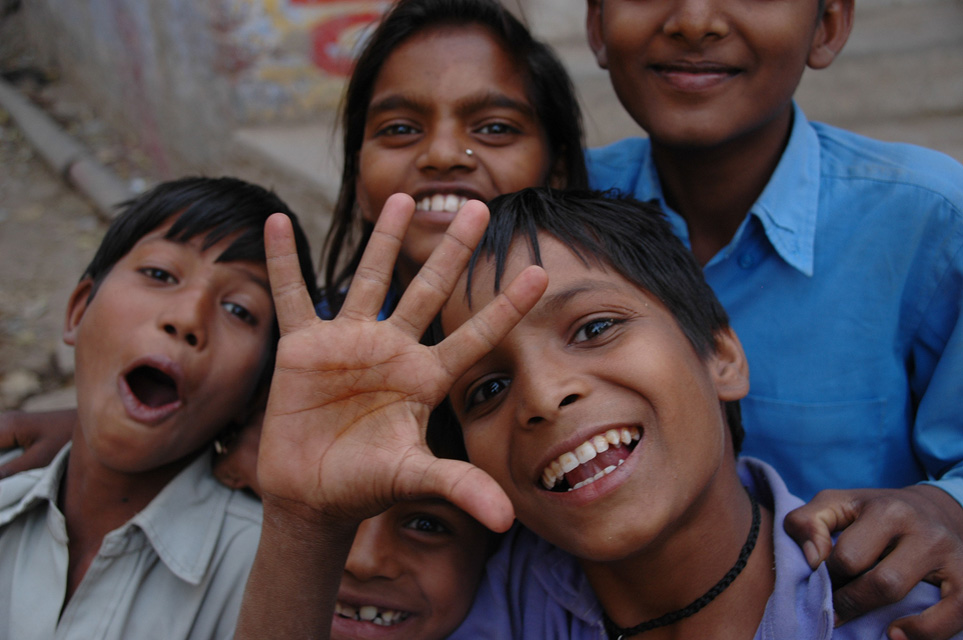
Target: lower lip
x,y
140,412
688,81
434,218
347,629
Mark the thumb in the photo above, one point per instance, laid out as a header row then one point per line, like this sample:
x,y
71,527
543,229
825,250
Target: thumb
x,y
470,489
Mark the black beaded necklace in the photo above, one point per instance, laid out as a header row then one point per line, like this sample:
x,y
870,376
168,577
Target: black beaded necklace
x,y
619,633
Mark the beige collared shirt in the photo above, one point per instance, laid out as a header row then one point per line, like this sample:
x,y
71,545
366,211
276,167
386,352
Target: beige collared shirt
x,y
176,570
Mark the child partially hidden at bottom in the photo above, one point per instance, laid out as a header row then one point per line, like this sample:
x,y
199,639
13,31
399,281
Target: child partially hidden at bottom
x,y
597,397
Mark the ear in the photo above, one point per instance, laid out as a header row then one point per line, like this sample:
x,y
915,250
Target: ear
x,y
728,367
835,25
76,307
593,27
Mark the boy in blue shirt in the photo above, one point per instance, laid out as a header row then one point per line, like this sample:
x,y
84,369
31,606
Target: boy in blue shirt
x,y
127,534
840,262
608,418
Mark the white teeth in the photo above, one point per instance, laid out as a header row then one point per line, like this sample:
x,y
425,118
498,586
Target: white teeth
x,y
451,203
585,452
370,613
442,202
568,461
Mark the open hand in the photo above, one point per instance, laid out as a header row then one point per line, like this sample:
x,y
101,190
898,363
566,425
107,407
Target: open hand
x,y
40,435
891,540
349,403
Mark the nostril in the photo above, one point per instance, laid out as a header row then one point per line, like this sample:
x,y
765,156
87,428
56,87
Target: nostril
x,y
170,330
191,339
568,400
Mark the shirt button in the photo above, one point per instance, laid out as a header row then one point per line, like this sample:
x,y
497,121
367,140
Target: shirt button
x,y
747,260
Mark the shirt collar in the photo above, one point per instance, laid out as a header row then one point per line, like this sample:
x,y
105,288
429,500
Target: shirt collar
x,y
788,205
185,543
786,208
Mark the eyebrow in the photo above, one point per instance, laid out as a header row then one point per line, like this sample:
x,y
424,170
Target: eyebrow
x,y
489,99
555,302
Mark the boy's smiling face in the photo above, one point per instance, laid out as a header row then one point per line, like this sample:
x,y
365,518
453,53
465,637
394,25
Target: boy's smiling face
x,y
168,350
698,73
412,573
596,357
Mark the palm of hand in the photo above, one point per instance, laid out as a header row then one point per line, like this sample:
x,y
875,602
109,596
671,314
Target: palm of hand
x,y
344,430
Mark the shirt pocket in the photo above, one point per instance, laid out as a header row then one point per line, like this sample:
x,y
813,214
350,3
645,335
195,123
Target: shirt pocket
x,y
814,446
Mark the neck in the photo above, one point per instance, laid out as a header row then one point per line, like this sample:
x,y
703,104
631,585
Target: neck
x,y
95,500
713,188
683,565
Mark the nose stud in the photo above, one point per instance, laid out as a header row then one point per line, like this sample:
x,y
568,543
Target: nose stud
x,y
469,152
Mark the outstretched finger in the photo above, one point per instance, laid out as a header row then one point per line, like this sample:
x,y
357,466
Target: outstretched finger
x,y
292,302
437,278
484,330
372,278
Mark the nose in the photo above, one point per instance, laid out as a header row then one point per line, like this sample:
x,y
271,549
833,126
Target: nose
x,y
545,390
185,317
446,149
373,554
695,21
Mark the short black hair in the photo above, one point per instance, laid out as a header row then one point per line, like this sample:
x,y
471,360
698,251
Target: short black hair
x,y
214,207
620,232
550,90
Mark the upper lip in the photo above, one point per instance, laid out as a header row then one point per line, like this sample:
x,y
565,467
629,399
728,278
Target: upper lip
x,y
165,365
694,66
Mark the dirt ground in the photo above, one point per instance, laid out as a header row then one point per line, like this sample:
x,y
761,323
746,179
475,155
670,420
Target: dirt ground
x,y
48,232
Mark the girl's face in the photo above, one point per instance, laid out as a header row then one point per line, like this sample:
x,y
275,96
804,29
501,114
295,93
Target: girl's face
x,y
449,120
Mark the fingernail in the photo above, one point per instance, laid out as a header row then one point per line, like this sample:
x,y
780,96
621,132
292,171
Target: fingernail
x,y
811,553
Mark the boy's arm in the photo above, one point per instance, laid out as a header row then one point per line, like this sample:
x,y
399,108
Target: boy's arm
x,y
344,431
891,540
919,528
40,435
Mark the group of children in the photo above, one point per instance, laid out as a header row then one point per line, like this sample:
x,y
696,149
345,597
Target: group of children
x,y
600,404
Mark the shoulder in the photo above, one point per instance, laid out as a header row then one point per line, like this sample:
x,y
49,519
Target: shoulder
x,y
890,166
618,164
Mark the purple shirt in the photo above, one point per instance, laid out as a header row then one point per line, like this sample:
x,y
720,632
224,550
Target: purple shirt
x,y
532,589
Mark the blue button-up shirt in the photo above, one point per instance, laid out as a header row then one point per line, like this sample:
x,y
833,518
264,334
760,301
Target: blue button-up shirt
x,y
844,283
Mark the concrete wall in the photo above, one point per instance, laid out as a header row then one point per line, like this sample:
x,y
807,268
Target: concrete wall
x,y
182,74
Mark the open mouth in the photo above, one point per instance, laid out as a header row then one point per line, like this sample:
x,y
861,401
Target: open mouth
x,y
152,387
592,460
370,613
450,203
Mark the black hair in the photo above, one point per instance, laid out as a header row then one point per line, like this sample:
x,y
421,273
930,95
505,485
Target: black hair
x,y
608,230
215,207
550,89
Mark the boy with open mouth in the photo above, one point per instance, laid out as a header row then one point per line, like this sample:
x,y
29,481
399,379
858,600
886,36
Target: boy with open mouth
x,y
127,534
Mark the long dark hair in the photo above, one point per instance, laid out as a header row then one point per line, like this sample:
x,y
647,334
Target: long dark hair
x,y
550,91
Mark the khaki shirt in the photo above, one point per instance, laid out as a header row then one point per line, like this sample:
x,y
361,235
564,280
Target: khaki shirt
x,y
175,570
